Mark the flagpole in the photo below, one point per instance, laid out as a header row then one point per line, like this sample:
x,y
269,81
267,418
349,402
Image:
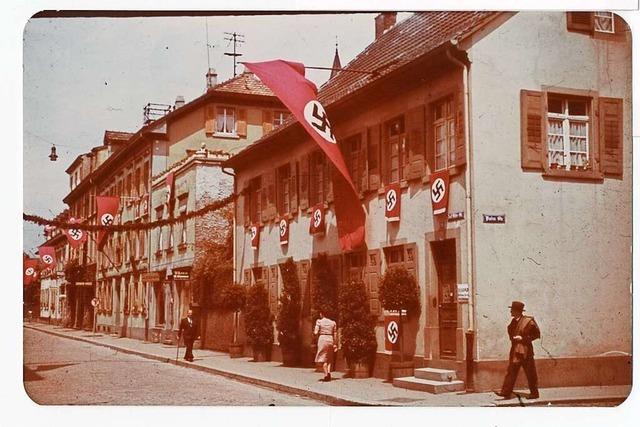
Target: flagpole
x,y
104,253
335,69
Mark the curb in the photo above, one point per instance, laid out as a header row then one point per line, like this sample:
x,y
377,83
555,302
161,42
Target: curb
x,y
330,399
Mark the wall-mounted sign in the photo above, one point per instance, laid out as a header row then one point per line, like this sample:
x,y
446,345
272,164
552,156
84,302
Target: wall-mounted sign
x,y
494,219
151,276
455,216
181,275
463,292
87,284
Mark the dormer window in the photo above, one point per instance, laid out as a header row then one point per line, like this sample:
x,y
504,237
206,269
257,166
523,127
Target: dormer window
x,y
226,120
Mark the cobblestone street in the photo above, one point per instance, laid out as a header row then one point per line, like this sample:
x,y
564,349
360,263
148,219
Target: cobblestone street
x,y
59,371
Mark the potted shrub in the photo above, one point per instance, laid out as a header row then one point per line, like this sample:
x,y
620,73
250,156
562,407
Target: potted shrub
x,y
233,298
399,292
324,295
358,339
258,321
288,321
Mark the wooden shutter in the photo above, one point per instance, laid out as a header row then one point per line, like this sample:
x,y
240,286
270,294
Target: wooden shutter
x,y
241,126
372,273
210,119
305,292
430,149
329,170
246,204
415,153
410,260
611,135
385,158
273,287
373,156
531,129
293,188
461,153
362,179
303,167
580,21
267,121
270,187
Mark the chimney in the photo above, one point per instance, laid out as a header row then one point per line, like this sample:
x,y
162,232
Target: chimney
x,y
212,78
384,21
179,102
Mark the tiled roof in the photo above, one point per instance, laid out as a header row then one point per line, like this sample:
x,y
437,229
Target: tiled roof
x,y
245,83
405,42
112,135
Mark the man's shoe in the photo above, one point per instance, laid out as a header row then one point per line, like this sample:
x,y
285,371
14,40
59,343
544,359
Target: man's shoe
x,y
504,395
533,396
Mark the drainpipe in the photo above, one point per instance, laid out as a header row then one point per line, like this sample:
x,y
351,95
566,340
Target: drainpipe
x,y
470,334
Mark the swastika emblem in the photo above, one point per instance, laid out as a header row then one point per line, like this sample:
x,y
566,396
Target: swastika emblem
x,y
392,332
253,231
30,271
75,234
48,259
315,115
438,190
317,218
283,227
392,199
106,219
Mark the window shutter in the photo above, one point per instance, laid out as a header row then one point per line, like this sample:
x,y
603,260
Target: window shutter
x,y
363,178
263,198
304,181
268,211
415,143
430,147
611,135
241,127
531,129
580,21
372,273
329,170
461,154
305,292
293,188
246,204
267,121
373,156
385,162
210,119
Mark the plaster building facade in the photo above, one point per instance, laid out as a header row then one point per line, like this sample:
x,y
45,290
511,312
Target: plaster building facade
x,y
528,114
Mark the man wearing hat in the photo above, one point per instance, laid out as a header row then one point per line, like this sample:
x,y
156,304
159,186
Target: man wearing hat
x,y
522,331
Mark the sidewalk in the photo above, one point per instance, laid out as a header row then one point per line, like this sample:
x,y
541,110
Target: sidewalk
x,y
341,391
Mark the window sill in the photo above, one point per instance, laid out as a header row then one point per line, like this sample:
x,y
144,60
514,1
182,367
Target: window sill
x,y
589,175
453,171
224,135
182,247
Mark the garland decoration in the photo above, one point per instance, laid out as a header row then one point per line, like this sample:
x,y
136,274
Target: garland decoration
x,y
212,207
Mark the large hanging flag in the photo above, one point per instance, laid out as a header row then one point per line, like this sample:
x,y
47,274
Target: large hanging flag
x,y
47,255
29,270
107,210
392,201
287,81
75,236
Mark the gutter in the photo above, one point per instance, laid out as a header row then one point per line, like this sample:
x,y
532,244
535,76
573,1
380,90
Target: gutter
x,y
470,334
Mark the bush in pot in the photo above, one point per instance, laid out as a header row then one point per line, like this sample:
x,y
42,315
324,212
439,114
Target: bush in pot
x,y
258,321
233,297
358,339
288,321
399,291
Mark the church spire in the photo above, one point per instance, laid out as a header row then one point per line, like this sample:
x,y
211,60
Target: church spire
x,y
336,62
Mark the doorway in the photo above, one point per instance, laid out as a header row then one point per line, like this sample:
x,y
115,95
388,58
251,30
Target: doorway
x,y
444,256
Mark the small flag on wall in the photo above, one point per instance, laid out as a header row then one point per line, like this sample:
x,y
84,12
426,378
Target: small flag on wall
x,y
283,226
75,236
392,202
316,225
254,233
440,191
47,255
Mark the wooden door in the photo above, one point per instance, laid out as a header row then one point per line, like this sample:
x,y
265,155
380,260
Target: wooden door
x,y
444,254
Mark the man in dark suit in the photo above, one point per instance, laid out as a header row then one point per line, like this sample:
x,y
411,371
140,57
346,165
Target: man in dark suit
x,y
188,330
522,330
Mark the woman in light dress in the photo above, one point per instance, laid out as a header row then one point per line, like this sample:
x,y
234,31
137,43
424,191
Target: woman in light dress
x,y
326,330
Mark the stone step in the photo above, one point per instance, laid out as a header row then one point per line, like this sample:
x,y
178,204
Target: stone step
x,y
435,374
430,386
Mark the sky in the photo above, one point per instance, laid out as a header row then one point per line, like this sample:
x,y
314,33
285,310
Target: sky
x,y
83,76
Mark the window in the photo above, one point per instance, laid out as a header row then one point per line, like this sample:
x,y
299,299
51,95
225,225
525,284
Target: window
x,y
444,133
255,188
597,24
284,189
568,132
226,120
403,256
318,177
171,243
160,240
603,22
279,117
183,232
141,244
355,159
394,150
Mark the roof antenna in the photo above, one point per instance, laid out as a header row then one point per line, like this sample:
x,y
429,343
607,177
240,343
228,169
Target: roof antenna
x,y
236,38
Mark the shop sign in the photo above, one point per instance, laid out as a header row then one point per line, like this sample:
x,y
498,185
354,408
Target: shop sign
x,y
463,292
88,284
181,275
494,219
151,276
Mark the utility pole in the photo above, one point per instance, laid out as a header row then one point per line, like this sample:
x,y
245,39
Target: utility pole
x,y
236,39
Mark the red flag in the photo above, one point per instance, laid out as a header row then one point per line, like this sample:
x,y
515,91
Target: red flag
x,y
440,191
283,226
47,255
254,233
107,210
316,225
29,270
75,237
392,202
287,81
